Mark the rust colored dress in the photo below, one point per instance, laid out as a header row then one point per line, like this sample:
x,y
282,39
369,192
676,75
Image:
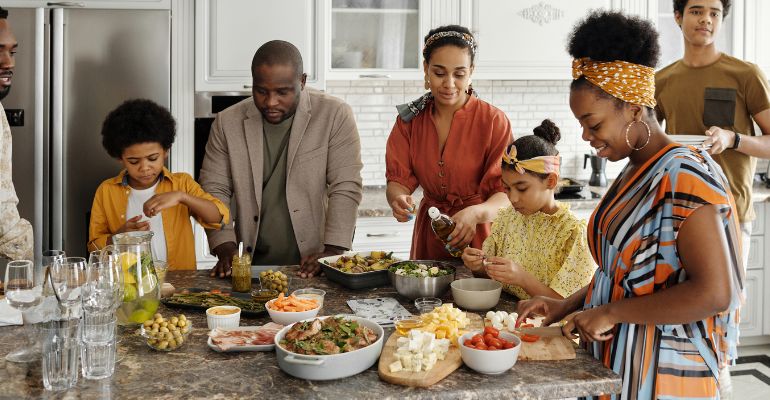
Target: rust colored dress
x,y
466,173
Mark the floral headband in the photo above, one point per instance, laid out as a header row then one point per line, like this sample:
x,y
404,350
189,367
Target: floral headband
x,y
540,165
468,39
632,83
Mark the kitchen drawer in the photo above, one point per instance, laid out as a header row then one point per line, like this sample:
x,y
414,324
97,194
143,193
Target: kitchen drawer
x,y
757,253
383,233
751,312
758,227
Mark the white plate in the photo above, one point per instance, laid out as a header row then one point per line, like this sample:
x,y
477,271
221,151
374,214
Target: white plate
x,y
256,347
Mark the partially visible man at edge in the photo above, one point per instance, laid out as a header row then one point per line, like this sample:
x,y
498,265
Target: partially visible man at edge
x,y
288,160
16,240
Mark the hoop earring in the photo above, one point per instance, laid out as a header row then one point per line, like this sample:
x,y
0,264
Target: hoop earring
x,y
470,88
628,128
426,85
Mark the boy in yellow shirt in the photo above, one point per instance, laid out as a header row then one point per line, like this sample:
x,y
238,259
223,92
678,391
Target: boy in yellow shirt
x,y
538,246
145,196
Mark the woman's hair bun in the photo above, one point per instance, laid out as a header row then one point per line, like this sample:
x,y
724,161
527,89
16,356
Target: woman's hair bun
x,y
548,131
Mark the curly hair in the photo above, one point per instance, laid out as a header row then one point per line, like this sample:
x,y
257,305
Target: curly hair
x,y
3,13
447,41
542,143
137,121
613,36
679,6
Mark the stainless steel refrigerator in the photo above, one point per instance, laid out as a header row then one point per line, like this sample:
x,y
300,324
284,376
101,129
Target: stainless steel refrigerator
x,y
73,66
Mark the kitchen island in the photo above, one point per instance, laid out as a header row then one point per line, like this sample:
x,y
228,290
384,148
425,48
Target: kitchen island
x,y
195,371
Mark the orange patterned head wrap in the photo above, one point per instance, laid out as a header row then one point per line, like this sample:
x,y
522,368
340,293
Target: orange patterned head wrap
x,y
632,83
540,165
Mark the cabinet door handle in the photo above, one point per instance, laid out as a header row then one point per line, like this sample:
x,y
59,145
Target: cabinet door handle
x,y
392,234
66,4
381,76
247,86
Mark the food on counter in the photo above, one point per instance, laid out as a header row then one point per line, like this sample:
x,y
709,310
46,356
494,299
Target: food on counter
x,y
241,273
311,293
140,288
167,289
419,351
275,280
223,311
331,335
356,264
404,325
502,320
226,339
419,270
490,340
166,334
263,295
212,299
292,303
446,322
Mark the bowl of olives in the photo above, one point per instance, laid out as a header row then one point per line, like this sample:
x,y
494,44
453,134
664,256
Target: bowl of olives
x,y
166,334
274,280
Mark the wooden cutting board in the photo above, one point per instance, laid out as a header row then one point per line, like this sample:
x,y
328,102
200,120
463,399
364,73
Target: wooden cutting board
x,y
552,345
440,371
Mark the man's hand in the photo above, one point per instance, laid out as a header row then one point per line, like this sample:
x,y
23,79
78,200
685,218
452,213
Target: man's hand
x,y
309,266
719,139
225,253
162,201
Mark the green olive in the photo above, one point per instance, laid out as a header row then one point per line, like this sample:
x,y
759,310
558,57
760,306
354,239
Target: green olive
x,y
148,323
174,320
163,344
183,323
157,315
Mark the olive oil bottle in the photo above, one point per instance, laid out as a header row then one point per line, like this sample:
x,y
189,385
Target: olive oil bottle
x,y
442,226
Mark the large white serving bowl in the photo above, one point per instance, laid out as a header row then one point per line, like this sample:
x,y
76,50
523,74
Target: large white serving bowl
x,y
490,362
289,317
332,366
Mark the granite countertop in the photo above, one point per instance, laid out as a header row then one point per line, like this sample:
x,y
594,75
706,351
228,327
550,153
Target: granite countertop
x,y
195,371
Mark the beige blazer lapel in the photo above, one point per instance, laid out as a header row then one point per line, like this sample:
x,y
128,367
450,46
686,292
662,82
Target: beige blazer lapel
x,y
298,127
252,130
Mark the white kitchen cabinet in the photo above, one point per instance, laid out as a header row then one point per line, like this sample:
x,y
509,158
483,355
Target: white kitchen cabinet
x,y
383,233
203,256
751,312
228,33
103,4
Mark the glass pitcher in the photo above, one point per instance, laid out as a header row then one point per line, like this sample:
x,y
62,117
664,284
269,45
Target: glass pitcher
x,y
141,287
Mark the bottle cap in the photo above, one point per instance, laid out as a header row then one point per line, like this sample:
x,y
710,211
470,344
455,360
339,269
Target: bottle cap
x,y
434,213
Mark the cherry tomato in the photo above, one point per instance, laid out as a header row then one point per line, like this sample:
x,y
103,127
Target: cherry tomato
x,y
530,338
495,342
493,348
492,331
476,339
508,345
487,338
481,346
468,343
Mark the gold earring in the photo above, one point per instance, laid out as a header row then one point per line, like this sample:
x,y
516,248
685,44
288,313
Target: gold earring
x,y
469,90
628,141
427,83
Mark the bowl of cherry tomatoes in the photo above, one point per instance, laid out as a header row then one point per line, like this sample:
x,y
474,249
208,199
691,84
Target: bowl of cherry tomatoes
x,y
489,351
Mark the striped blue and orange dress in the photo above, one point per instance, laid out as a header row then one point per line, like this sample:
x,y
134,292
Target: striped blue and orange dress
x,y
632,237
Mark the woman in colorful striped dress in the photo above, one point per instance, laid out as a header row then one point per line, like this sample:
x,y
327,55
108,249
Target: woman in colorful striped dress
x,y
662,308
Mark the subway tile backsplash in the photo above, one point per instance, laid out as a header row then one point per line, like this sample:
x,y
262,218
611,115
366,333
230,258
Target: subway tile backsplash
x,y
526,103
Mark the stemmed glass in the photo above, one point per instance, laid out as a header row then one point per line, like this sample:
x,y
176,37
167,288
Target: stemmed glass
x,y
68,276
22,294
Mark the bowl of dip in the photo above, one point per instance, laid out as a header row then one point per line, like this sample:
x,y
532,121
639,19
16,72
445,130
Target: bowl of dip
x,y
223,317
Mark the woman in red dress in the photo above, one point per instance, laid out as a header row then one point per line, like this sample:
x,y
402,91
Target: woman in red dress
x,y
450,143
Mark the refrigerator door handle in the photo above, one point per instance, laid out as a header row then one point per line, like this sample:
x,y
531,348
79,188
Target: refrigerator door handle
x,y
39,135
57,129
66,4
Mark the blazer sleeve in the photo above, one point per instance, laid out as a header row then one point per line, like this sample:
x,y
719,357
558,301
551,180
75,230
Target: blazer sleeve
x,y
343,178
194,189
216,179
98,228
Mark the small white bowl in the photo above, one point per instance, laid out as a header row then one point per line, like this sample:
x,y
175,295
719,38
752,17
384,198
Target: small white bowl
x,y
223,321
490,362
289,317
476,294
311,293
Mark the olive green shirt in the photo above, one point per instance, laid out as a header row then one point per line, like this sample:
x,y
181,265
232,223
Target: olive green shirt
x,y
276,243
726,94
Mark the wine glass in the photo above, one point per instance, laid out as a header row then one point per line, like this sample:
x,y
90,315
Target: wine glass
x,y
68,276
99,289
22,294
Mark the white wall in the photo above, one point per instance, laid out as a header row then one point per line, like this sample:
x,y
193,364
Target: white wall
x,y
526,103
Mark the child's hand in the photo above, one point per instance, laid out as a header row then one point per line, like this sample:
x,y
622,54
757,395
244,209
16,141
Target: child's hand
x,y
503,270
403,208
473,259
162,201
133,224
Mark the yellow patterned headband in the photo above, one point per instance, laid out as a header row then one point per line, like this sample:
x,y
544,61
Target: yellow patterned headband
x,y
632,83
540,165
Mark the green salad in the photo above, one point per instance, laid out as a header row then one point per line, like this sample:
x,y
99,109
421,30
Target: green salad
x,y
419,270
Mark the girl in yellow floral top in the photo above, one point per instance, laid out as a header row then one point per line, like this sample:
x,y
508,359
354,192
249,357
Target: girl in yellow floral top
x,y
538,246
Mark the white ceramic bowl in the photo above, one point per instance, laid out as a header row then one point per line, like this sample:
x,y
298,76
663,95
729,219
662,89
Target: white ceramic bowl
x,y
223,321
491,362
311,293
476,294
289,317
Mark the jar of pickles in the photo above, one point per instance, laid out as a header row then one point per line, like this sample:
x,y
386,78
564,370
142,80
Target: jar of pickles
x,y
241,273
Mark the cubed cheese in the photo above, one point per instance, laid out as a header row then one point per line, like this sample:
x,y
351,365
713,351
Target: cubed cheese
x,y
416,365
395,366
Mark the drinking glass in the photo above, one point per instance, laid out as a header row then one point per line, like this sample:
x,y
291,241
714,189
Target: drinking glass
x,y
100,288
161,267
94,257
61,351
48,257
98,345
22,294
68,276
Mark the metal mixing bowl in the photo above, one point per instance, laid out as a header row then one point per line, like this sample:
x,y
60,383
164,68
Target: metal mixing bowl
x,y
412,287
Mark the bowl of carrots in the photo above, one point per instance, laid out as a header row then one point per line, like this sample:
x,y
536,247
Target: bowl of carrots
x,y
286,310
490,351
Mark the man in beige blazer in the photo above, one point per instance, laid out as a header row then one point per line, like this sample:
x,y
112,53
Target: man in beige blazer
x,y
288,161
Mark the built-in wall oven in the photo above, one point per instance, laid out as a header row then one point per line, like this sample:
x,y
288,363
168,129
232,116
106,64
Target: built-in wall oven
x,y
207,105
